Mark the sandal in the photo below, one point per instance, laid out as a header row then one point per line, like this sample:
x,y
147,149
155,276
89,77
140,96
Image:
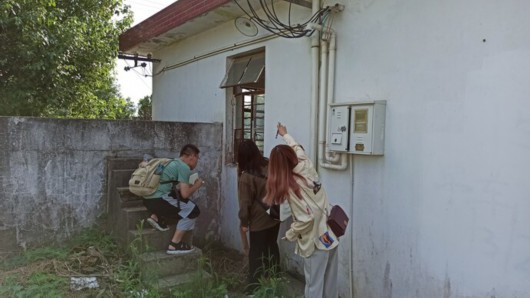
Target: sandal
x,y
180,248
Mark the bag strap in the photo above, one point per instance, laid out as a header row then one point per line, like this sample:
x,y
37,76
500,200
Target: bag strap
x,y
168,181
317,187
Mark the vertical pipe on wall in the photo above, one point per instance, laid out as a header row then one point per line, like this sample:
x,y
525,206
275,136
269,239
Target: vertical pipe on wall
x,y
326,97
330,98
322,101
314,87
350,259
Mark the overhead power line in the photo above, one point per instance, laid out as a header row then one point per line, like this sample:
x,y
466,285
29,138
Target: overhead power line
x,y
272,23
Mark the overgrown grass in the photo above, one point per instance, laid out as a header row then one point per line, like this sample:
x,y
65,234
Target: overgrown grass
x,y
205,283
273,282
47,272
32,256
228,277
273,286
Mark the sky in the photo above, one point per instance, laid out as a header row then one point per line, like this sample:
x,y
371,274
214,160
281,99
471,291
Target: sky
x,y
133,83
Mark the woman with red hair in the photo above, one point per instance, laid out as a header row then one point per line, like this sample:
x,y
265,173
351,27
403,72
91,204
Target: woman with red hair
x,y
293,178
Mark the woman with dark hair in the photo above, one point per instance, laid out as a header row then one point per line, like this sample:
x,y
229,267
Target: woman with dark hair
x,y
292,177
264,254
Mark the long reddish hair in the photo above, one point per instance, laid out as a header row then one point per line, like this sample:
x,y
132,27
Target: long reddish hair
x,y
281,178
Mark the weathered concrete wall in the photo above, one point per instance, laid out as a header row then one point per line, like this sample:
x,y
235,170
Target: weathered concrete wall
x,y
53,172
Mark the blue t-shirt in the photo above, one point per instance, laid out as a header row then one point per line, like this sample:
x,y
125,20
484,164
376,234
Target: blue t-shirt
x,y
175,170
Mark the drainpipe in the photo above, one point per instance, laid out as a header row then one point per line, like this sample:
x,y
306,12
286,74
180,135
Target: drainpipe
x,y
322,102
315,47
327,89
352,173
332,158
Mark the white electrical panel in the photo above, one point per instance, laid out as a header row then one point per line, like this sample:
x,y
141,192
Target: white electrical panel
x,y
364,130
339,122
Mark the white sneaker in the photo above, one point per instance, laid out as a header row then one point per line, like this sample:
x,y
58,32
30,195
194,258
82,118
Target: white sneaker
x,y
157,225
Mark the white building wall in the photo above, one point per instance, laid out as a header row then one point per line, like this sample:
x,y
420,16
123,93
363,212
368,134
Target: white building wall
x,y
441,214
444,212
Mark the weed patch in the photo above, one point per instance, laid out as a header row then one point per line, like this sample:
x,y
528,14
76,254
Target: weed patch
x,y
49,271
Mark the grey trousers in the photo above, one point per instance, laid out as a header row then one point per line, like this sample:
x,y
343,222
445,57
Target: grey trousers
x,y
321,273
185,223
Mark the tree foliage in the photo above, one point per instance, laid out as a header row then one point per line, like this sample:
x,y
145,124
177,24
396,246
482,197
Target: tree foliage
x,y
144,108
57,58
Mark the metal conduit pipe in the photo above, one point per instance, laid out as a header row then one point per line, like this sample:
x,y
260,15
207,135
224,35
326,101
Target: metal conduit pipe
x,y
327,83
313,125
333,158
322,102
217,52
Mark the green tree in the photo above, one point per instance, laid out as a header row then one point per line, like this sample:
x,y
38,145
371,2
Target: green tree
x,y
57,58
145,108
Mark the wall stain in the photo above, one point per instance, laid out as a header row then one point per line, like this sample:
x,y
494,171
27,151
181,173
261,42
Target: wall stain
x,y
387,282
447,287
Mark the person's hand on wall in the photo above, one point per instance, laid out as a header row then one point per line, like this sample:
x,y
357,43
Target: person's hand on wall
x,y
282,130
198,183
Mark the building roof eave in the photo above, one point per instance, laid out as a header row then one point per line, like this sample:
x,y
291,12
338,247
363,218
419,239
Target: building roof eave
x,y
177,21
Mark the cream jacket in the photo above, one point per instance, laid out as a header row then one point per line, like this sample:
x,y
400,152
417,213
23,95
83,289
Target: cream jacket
x,y
309,228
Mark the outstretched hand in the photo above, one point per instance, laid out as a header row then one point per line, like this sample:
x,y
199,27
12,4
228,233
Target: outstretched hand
x,y
281,129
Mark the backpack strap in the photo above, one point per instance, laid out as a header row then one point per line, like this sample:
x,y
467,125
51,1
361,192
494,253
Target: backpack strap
x,y
168,181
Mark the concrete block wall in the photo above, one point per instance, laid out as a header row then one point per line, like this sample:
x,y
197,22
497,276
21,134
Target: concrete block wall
x,y
53,172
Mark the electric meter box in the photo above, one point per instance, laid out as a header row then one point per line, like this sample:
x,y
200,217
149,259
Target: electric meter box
x,y
339,127
357,127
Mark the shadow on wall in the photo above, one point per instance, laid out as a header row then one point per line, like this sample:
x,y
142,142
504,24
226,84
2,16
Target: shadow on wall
x,y
53,171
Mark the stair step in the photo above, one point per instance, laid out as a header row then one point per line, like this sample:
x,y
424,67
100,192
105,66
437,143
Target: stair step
x,y
159,263
134,217
121,177
154,239
173,281
123,162
127,198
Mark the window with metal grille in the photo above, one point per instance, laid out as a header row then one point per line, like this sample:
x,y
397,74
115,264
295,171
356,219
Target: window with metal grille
x,y
251,125
245,77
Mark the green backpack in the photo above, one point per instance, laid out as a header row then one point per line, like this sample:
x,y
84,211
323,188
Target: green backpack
x,y
145,180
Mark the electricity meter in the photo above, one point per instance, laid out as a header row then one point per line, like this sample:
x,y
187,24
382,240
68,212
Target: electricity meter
x,y
339,128
364,130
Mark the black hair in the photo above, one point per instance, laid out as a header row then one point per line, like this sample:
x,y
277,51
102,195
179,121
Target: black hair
x,y
189,149
249,158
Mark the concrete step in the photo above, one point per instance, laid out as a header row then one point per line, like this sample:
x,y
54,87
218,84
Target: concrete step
x,y
114,163
151,238
160,264
127,198
121,177
173,281
134,217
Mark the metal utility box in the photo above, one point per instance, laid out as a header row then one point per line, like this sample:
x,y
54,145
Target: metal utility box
x,y
339,123
357,127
